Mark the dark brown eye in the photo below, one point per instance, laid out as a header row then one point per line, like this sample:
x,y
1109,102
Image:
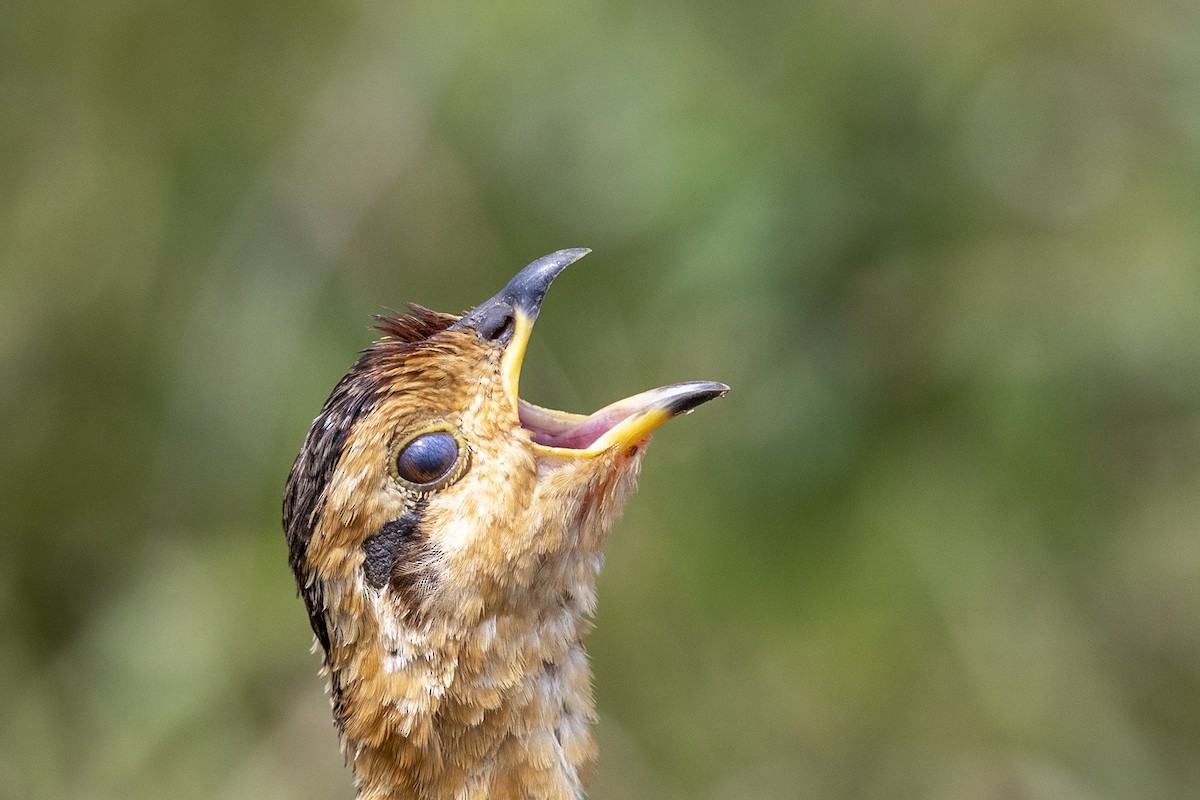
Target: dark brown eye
x,y
427,459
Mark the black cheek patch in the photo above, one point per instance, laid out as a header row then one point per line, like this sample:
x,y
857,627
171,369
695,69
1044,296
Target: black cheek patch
x,y
384,551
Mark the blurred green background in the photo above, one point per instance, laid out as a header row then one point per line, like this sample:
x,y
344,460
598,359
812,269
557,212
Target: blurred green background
x,y
941,540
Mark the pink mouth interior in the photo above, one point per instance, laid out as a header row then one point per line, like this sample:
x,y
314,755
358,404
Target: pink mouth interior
x,y
571,431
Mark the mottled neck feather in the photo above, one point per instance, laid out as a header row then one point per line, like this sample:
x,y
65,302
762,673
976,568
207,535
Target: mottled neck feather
x,y
484,694
506,718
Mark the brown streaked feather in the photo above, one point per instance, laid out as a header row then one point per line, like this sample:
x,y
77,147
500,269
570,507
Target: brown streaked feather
x,y
451,618
420,323
353,397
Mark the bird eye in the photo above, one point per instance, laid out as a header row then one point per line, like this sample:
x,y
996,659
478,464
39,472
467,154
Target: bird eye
x,y
427,459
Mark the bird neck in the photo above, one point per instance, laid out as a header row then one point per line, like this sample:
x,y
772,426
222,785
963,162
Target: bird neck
x,y
493,705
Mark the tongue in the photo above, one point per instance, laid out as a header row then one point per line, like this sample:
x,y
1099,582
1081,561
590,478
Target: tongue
x,y
581,435
573,432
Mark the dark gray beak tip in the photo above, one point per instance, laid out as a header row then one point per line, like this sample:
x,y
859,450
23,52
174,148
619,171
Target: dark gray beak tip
x,y
693,393
527,288
492,319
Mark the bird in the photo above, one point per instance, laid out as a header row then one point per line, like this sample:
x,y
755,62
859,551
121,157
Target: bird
x,y
446,537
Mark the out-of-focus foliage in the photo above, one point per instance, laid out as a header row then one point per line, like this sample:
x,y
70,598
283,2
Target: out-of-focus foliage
x,y
940,542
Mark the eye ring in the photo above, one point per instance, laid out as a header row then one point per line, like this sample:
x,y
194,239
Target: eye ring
x,y
430,459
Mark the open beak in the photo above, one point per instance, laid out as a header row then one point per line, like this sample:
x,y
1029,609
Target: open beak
x,y
508,318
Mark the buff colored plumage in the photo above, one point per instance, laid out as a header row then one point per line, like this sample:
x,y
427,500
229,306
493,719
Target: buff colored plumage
x,y
451,612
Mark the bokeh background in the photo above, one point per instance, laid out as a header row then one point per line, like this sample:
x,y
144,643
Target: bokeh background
x,y
940,541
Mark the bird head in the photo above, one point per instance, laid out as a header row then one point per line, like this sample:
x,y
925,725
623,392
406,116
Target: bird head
x,y
446,535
